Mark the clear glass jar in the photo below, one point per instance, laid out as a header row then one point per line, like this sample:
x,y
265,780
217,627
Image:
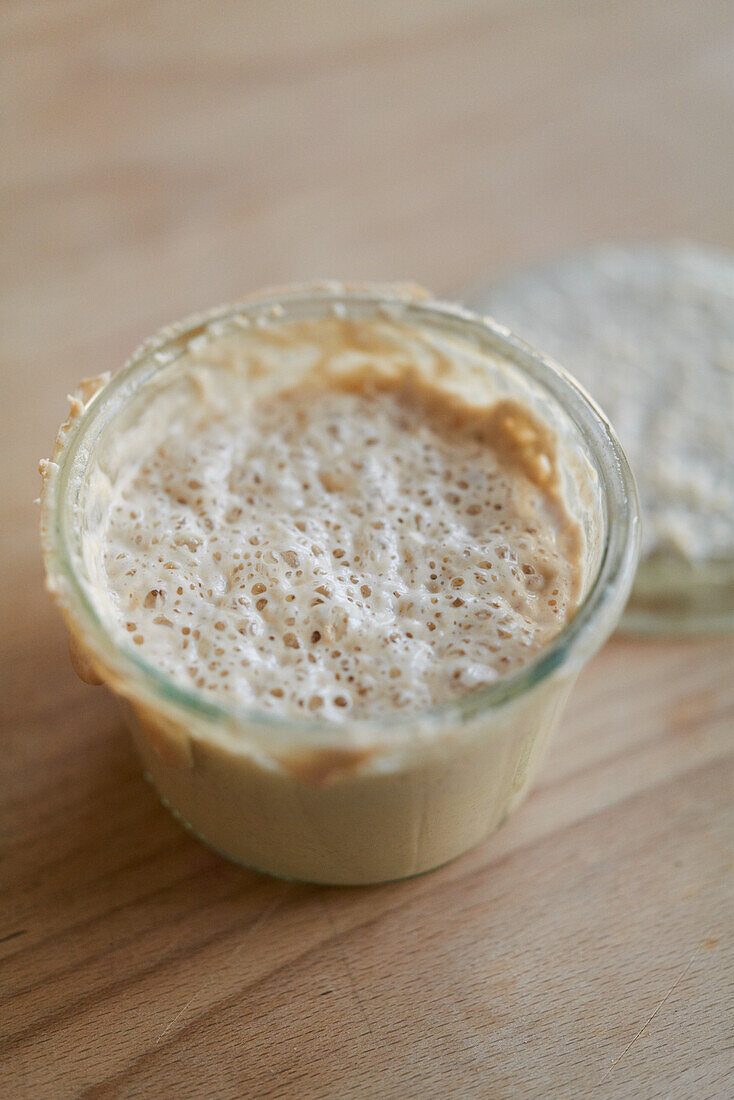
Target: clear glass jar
x,y
676,598
356,801
649,327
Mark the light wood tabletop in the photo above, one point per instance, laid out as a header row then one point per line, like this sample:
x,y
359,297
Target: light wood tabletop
x,y
160,157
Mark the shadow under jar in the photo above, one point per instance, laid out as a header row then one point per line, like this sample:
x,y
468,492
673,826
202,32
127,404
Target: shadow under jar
x,y
365,799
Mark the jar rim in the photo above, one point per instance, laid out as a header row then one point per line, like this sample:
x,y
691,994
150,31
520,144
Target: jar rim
x,y
140,681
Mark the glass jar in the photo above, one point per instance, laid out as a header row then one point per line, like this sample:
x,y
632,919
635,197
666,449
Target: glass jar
x,y
356,801
649,327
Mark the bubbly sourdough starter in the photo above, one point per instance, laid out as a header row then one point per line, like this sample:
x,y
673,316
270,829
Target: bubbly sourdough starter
x,y
342,519
361,541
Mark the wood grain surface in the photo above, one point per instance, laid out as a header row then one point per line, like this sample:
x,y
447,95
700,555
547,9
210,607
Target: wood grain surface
x,y
160,156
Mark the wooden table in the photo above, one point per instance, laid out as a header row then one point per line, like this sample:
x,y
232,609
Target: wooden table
x,y
162,156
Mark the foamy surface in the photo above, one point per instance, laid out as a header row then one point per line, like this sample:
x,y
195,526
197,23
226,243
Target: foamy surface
x,y
352,543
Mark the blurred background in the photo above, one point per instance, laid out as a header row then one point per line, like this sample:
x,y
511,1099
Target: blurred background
x,y
162,156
